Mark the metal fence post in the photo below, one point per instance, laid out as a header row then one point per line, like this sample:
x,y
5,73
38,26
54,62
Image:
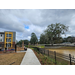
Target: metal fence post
x,y
70,59
55,56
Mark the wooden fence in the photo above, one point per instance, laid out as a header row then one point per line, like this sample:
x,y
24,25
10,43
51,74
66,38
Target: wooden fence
x,y
68,58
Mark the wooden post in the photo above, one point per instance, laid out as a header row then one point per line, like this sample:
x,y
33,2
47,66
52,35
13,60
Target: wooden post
x,y
44,51
37,44
70,59
41,51
23,44
55,56
48,52
28,45
15,47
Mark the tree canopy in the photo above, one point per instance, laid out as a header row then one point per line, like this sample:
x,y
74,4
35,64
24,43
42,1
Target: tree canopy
x,y
26,42
33,39
54,31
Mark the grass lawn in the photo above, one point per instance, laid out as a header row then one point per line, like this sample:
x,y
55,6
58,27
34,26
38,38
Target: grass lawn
x,y
40,46
11,58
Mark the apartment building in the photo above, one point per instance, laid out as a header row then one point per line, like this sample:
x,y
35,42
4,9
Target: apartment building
x,y
1,38
7,39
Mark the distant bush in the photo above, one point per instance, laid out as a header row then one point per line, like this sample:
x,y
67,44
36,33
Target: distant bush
x,y
30,46
26,45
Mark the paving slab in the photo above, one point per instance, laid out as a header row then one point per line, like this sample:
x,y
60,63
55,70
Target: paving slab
x,y
30,58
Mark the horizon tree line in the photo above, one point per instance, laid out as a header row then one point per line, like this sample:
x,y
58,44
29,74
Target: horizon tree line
x,y
52,35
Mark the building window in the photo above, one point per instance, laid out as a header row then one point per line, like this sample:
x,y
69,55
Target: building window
x,y
8,35
0,40
8,40
0,35
8,44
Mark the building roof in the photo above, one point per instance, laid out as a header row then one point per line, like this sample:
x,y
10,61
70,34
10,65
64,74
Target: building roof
x,y
8,31
1,32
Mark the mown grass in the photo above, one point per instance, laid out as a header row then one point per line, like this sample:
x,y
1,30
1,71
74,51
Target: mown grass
x,y
30,46
40,46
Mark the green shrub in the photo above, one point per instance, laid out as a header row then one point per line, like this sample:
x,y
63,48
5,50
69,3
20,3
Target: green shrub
x,y
26,45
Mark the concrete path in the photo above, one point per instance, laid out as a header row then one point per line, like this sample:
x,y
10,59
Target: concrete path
x,y
21,51
30,58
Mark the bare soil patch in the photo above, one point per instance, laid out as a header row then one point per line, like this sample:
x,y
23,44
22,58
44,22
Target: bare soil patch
x,y
11,58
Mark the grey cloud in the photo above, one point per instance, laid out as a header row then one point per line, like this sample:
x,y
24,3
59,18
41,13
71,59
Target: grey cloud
x,y
36,19
53,16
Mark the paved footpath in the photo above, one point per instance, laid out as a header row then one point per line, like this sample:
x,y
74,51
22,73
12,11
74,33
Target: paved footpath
x,y
30,58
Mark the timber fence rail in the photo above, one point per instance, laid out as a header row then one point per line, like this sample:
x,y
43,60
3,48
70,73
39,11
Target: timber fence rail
x,y
68,58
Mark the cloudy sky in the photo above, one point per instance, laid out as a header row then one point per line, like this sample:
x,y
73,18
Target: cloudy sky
x,y
26,21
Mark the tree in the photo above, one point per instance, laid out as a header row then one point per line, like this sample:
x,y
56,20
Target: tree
x,y
33,39
70,39
26,42
20,43
54,31
43,39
